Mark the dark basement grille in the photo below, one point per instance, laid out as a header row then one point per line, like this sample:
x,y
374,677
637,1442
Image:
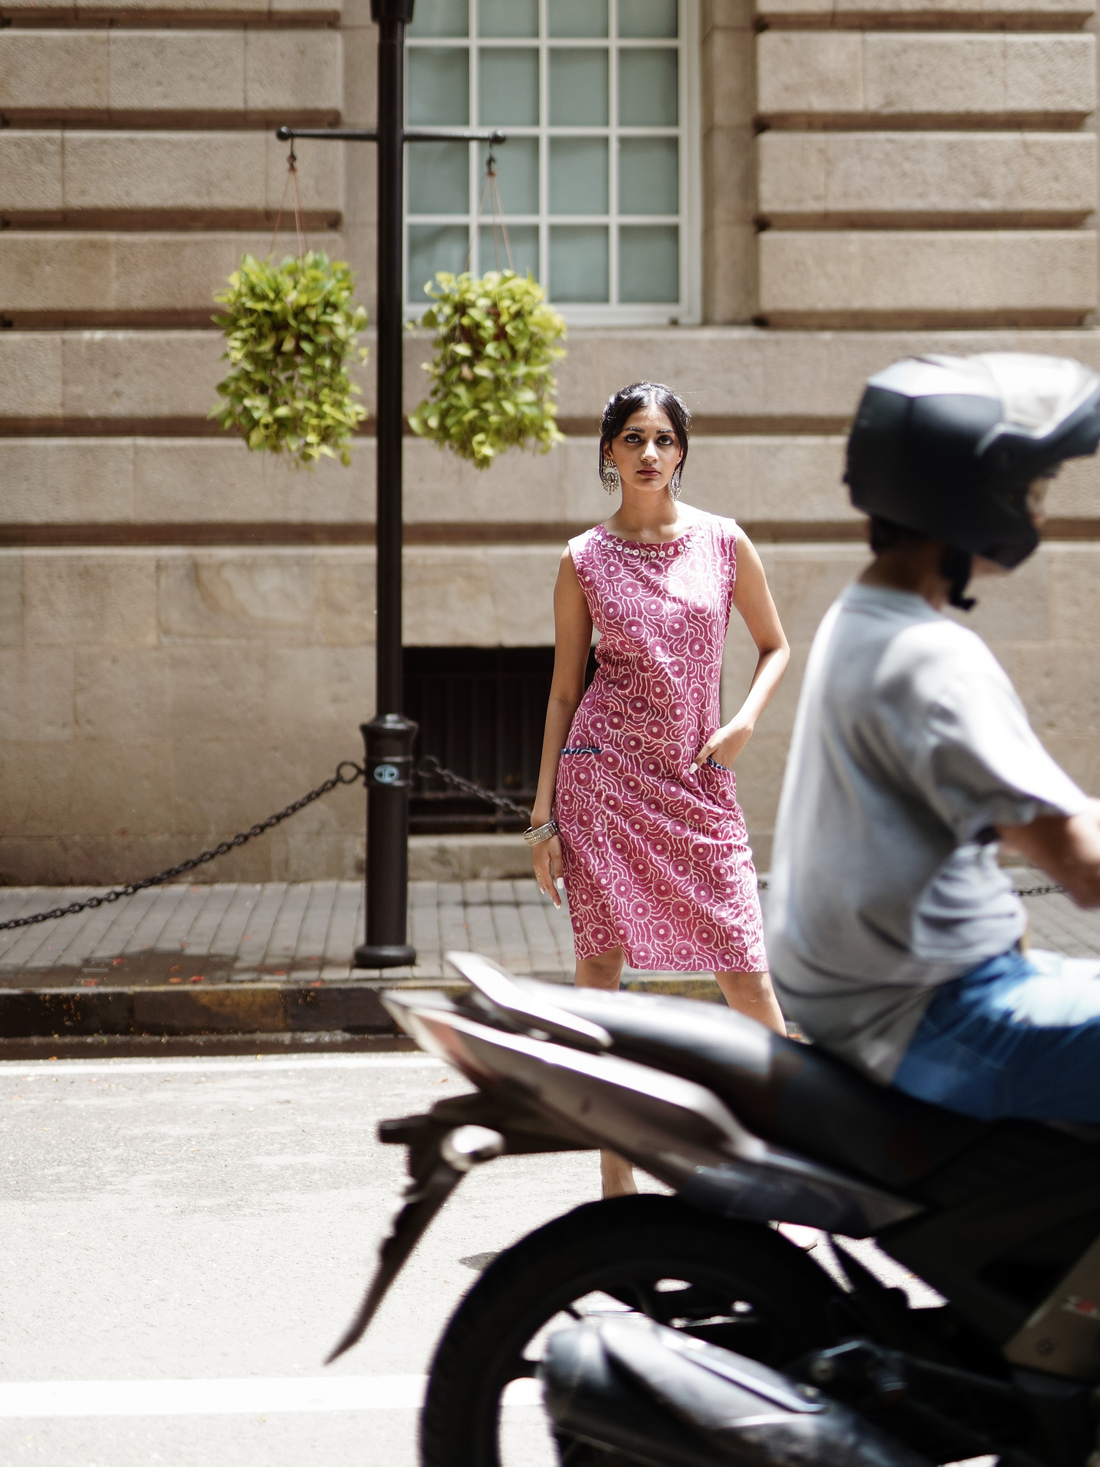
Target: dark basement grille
x,y
481,712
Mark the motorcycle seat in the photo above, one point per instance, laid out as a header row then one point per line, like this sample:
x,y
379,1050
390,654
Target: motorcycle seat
x,y
792,1094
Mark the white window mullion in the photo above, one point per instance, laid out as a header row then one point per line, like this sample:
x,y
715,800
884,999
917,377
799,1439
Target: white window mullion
x,y
544,145
613,151
472,148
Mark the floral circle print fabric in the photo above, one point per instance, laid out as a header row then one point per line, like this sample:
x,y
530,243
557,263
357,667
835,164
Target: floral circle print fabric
x,y
655,852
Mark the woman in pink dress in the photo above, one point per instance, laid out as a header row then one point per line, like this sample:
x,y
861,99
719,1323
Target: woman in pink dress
x,y
637,800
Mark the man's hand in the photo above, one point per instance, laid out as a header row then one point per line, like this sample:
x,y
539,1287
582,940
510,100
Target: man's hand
x,y
546,859
725,744
1066,847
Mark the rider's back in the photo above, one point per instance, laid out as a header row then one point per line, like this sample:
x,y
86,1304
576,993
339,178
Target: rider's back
x,y
909,747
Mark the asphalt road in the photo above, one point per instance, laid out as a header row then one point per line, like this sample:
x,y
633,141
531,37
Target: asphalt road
x,y
184,1240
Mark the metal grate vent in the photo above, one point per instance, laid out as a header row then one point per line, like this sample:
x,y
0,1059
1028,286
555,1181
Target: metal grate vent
x,y
481,712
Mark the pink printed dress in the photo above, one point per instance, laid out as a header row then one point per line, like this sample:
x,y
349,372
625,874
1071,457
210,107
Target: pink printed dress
x,y
655,853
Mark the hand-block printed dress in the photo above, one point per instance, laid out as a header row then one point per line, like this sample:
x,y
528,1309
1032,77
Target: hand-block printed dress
x,y
655,853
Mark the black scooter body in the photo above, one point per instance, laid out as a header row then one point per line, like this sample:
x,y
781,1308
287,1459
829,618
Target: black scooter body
x,y
1002,1219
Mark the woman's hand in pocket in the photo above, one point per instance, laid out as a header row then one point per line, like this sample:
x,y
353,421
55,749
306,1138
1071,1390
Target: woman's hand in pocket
x,y
725,744
546,859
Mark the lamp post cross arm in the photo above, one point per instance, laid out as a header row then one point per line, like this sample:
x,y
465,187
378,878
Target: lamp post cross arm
x,y
370,135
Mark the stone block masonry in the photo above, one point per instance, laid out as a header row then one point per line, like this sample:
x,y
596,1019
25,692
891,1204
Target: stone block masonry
x,y
186,630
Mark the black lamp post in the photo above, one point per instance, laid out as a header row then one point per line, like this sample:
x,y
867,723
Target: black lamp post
x,y
389,735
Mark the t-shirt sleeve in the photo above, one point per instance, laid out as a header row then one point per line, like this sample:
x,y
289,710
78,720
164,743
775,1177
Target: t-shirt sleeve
x,y
971,751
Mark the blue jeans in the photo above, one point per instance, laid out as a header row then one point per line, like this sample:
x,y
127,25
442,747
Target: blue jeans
x,y
1017,1036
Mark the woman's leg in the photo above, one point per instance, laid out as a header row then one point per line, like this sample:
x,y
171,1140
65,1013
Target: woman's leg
x,y
752,994
604,971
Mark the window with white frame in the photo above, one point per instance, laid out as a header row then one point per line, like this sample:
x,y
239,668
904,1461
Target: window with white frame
x,y
596,180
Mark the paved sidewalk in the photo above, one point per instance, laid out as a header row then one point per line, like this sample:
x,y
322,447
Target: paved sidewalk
x,y
301,931
308,932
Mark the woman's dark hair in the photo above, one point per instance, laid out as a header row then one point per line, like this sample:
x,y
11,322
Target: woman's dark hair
x,y
639,395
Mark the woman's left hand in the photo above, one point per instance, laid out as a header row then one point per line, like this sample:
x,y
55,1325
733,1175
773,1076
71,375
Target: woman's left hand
x,y
725,744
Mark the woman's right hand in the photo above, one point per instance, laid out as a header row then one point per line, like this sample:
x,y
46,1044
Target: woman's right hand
x,y
546,859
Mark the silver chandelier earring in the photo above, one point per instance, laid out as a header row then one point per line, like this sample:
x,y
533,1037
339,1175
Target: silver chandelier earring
x,y
609,474
674,485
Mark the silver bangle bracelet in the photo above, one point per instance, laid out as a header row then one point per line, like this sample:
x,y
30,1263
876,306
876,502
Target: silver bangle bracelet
x,y
534,835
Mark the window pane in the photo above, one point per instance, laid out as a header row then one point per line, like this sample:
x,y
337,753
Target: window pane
x,y
577,17
434,247
439,178
578,175
649,176
648,94
524,239
578,263
439,86
645,18
508,87
517,174
441,18
578,88
649,262
508,18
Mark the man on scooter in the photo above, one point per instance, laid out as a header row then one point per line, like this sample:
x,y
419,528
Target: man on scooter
x,y
893,933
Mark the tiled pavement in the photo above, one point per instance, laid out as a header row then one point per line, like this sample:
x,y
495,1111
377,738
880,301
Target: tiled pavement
x,y
308,931
304,931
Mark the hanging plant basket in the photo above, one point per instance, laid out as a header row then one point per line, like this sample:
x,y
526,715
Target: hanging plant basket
x,y
492,386
290,330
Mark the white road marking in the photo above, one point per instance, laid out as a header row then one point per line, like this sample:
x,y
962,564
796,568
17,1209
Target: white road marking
x,y
255,1065
254,1396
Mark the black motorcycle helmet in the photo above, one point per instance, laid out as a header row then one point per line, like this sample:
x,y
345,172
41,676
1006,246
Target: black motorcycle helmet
x,y
947,447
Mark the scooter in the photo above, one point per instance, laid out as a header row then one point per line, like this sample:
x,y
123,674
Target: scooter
x,y
801,1362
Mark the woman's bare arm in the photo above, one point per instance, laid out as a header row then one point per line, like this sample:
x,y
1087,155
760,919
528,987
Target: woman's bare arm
x,y
754,601
572,639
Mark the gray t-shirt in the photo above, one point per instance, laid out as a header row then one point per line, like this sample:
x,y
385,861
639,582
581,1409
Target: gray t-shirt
x,y
910,744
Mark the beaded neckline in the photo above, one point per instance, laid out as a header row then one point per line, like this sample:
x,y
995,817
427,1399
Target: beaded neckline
x,y
644,550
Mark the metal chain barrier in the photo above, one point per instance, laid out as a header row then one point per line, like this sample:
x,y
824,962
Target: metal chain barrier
x,y
429,767
340,777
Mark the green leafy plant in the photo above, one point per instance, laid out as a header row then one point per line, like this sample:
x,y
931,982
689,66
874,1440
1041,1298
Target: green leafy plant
x,y
289,331
492,386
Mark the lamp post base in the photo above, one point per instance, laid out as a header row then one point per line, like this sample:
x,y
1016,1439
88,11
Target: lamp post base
x,y
379,955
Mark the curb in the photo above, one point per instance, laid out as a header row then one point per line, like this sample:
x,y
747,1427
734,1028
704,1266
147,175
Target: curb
x,y
351,1009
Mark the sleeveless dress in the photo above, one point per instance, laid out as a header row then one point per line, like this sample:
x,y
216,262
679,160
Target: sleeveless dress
x,y
655,853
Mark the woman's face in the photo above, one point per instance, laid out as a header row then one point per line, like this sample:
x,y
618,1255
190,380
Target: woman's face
x,y
646,451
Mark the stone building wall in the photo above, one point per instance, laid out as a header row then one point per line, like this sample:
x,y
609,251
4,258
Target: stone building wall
x,y
186,629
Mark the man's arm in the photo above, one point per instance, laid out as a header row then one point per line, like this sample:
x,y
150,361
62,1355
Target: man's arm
x,y
1066,847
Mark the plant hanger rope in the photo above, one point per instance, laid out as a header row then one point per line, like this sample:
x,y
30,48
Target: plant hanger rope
x,y
496,210
291,182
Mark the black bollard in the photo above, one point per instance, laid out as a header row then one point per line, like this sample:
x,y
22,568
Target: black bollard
x,y
389,740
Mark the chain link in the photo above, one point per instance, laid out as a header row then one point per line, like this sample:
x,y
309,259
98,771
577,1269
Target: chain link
x,y
429,767
340,777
